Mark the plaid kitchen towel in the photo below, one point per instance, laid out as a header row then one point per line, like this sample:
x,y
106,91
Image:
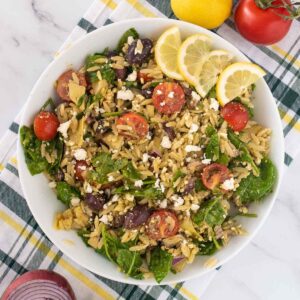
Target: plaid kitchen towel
x,y
23,246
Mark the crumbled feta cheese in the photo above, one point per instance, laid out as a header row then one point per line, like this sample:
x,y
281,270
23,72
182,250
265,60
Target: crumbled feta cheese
x,y
63,128
163,103
156,184
177,200
52,184
192,148
110,178
194,128
88,188
139,47
206,161
194,207
130,39
163,203
171,95
188,159
159,92
166,143
104,219
228,184
138,183
75,201
80,154
214,104
195,96
132,76
125,95
115,198
148,136
101,110
145,157
162,187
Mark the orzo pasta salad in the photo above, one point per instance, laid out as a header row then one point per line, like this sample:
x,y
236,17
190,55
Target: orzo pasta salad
x,y
153,168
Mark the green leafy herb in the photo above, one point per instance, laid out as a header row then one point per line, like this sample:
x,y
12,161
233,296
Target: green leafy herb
x,y
211,212
50,103
130,262
129,172
79,115
108,73
247,215
66,192
92,60
244,152
212,150
212,93
112,114
207,248
210,130
147,191
81,100
199,186
160,263
254,188
223,159
83,233
123,40
178,174
131,84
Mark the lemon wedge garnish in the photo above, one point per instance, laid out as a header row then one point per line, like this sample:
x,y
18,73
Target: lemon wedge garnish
x,y
235,79
166,50
191,56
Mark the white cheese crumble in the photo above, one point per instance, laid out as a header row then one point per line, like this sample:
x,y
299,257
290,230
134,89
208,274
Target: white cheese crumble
x,y
115,198
171,95
125,95
163,203
110,178
194,128
63,128
195,96
145,157
75,201
177,200
130,39
80,154
163,103
192,148
157,182
88,188
166,143
132,76
228,184
159,92
194,207
214,104
138,183
206,161
104,219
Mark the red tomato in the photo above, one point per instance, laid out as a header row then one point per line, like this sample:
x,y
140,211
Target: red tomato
x,y
162,224
81,167
261,26
236,115
45,125
143,77
168,98
62,87
138,124
214,174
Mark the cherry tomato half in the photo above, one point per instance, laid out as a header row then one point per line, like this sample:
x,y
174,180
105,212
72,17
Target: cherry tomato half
x,y
168,98
262,26
236,115
137,123
81,168
143,77
62,87
45,125
214,175
162,224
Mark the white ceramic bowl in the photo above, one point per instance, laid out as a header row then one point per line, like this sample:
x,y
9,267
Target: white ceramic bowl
x,y
42,200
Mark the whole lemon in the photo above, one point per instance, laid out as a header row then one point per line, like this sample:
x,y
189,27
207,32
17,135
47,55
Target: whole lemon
x,y
206,13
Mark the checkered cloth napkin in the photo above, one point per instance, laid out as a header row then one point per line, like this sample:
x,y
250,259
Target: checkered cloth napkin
x,y
23,246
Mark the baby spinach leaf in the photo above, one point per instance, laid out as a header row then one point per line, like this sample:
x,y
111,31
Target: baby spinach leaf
x,y
55,145
245,155
147,191
208,247
177,175
81,233
210,130
199,186
129,262
160,263
254,188
223,159
210,212
32,150
108,73
129,172
123,40
212,150
66,192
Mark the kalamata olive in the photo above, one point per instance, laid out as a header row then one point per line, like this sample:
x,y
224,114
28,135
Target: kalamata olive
x,y
111,185
136,57
136,217
112,53
121,73
169,131
190,186
81,170
187,91
59,175
95,202
147,93
155,153
118,221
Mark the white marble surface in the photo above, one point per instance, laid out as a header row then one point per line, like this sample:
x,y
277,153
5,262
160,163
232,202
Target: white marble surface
x,y
269,268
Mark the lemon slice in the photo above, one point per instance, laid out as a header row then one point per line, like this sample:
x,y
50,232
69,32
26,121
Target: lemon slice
x,y
191,56
166,52
215,62
235,79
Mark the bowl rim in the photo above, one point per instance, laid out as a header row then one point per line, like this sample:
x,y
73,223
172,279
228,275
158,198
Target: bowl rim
x,y
128,280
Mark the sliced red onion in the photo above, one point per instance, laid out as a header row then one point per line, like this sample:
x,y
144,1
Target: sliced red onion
x,y
177,259
169,131
39,284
